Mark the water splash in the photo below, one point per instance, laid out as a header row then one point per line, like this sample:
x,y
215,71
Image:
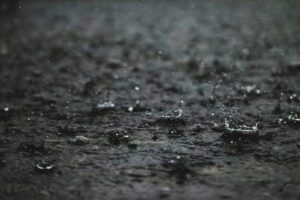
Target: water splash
x,y
240,129
173,118
44,166
294,118
173,114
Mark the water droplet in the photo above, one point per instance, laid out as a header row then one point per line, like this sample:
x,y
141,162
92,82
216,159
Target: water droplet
x,y
181,103
293,98
130,109
159,52
6,109
136,88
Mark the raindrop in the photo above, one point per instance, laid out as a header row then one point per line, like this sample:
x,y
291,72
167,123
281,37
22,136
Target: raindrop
x,y
130,109
293,98
181,103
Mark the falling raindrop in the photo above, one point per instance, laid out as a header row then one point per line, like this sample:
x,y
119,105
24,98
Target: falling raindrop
x,y
130,109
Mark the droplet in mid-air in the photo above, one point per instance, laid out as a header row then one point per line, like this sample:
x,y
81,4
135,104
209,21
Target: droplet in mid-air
x,y
130,109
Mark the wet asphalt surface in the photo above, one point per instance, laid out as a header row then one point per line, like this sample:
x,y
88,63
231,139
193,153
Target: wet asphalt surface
x,y
150,100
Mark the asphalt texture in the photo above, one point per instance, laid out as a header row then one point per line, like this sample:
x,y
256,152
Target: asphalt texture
x,y
128,99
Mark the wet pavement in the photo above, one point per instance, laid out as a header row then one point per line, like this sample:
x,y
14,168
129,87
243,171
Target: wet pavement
x,y
150,100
